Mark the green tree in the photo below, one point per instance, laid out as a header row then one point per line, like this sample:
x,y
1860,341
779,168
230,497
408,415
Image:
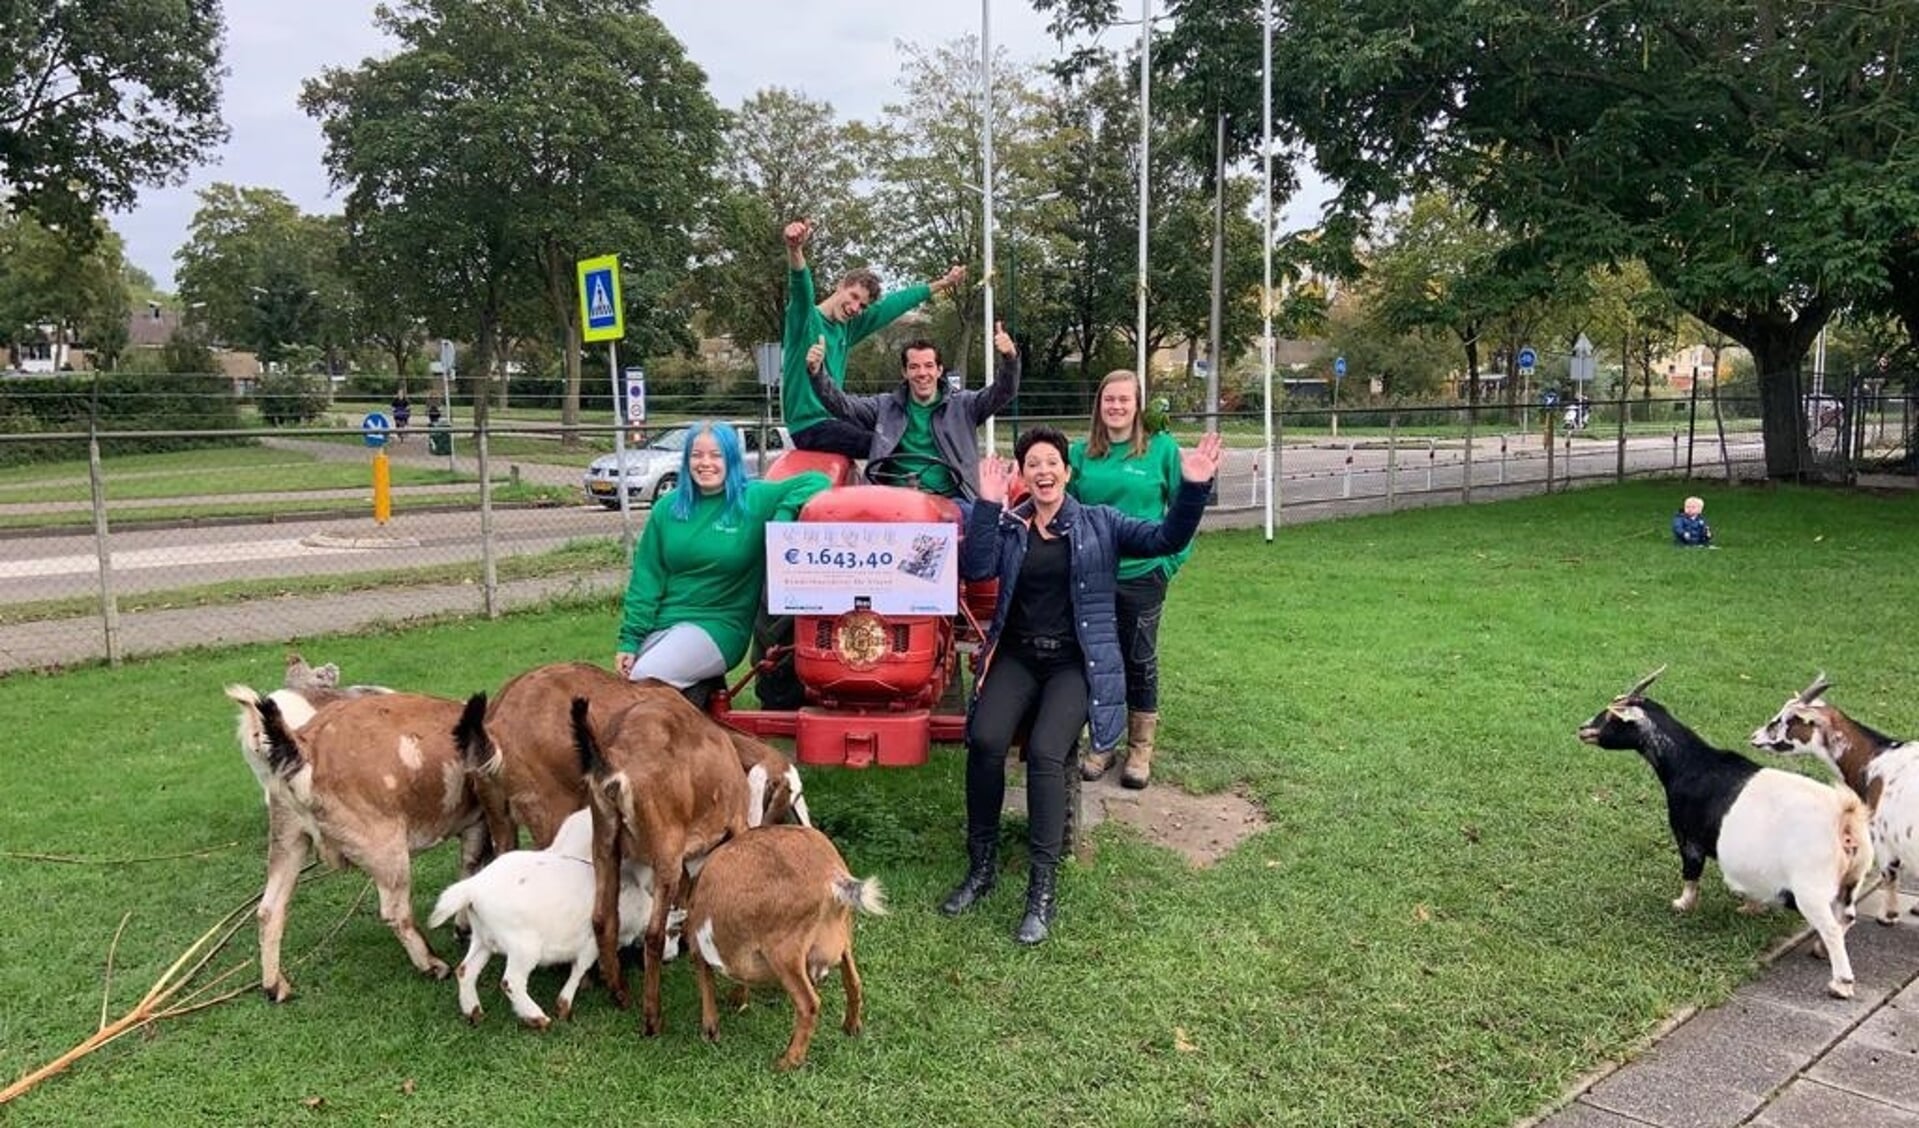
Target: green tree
x,y
101,97
259,272
506,139
1076,258
1749,152
784,157
73,282
1438,267
928,159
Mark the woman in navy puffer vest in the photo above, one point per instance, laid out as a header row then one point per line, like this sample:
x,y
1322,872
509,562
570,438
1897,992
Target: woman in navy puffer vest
x,y
1052,652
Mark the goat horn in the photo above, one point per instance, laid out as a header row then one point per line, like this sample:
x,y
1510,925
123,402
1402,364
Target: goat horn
x,y
1819,685
1639,686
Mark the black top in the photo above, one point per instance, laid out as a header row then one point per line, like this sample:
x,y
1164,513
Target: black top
x,y
1043,596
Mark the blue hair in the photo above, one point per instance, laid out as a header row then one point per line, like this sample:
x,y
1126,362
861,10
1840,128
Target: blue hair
x,y
686,494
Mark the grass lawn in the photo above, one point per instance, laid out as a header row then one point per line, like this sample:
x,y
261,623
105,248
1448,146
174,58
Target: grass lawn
x,y
1457,911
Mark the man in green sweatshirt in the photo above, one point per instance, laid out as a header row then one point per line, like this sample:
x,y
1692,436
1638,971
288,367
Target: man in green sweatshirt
x,y
833,325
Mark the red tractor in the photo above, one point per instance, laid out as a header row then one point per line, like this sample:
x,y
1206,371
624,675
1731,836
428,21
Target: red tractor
x,y
873,688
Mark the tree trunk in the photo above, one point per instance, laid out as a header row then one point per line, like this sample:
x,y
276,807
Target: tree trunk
x,y
1778,343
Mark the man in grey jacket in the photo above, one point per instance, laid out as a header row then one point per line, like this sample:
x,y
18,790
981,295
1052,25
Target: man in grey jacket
x,y
930,433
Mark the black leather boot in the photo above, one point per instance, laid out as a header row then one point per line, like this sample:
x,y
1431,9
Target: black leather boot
x,y
1041,903
982,873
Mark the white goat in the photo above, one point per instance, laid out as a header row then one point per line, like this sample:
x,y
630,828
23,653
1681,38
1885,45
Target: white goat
x,y
1880,769
535,907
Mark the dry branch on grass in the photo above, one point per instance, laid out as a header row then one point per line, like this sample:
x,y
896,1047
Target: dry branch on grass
x,y
77,860
160,1000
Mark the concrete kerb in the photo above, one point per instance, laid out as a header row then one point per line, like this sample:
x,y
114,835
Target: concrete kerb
x,y
1585,1083
377,541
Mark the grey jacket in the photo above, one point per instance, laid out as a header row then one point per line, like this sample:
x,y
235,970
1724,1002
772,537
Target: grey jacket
x,y
995,545
956,418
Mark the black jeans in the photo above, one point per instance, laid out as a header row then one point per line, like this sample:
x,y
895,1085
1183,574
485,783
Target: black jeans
x,y
1137,604
1049,689
835,436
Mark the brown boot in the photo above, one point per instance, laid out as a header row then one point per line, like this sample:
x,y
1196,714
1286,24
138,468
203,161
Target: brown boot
x,y
1139,749
1094,765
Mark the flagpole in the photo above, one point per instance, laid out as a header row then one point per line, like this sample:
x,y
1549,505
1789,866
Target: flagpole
x,y
1266,293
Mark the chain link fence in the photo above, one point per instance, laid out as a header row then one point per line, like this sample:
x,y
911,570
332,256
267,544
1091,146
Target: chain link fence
x,y
120,539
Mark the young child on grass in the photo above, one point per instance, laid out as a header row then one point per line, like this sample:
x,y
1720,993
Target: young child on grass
x,y
1689,527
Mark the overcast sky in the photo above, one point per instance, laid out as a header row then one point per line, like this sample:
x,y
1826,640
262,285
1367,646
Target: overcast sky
x,y
842,51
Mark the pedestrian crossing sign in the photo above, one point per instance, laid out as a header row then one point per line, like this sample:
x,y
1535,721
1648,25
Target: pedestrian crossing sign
x,y
602,313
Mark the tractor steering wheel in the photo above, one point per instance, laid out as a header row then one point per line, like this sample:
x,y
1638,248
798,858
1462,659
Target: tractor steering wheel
x,y
902,468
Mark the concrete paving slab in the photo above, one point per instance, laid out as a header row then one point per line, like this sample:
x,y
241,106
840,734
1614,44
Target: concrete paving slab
x,y
1888,1076
1706,1058
1672,1098
1894,1026
1762,1024
1796,980
1808,1103
1581,1115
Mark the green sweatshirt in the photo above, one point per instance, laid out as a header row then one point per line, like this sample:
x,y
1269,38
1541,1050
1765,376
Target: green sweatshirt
x,y
918,439
805,324
1141,487
702,572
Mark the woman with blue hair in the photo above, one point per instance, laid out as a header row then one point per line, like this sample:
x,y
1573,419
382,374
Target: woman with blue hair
x,y
701,564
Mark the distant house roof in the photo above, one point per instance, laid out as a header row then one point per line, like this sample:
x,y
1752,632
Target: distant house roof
x,y
151,326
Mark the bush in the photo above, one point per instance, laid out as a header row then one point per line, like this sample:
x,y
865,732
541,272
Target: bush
x,y
290,399
127,401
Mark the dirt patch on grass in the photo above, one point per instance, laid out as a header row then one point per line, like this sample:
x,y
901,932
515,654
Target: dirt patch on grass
x,y
1200,828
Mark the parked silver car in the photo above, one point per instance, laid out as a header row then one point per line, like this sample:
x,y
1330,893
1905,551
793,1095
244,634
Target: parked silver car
x,y
654,469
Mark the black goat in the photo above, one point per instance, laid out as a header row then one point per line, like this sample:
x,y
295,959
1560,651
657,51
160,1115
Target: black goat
x,y
1780,838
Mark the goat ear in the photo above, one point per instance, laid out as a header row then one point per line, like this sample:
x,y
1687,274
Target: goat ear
x,y
1625,711
1811,693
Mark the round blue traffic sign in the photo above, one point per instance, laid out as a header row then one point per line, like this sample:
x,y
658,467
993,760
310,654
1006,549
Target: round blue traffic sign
x,y
1549,397
374,429
1528,359
1339,366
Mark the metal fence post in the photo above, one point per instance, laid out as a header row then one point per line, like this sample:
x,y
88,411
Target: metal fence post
x,y
489,576
109,601
1502,459
1346,487
1619,467
1432,452
1466,480
1392,460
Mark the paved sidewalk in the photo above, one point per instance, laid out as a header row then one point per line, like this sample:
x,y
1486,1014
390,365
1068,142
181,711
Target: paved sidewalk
x,y
1780,1053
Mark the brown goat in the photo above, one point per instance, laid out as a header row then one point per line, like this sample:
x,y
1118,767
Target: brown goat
x,y
664,792
370,781
305,690
775,905
534,779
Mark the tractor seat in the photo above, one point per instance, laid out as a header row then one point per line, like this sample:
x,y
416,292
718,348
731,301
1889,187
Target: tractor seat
x,y
837,467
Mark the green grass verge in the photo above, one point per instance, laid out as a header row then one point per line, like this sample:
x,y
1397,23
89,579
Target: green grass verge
x,y
206,471
1457,910
124,516
582,556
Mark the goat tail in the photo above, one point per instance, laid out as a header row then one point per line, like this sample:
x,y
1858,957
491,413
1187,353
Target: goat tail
x,y
480,755
457,898
283,755
244,696
591,762
1855,837
862,895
